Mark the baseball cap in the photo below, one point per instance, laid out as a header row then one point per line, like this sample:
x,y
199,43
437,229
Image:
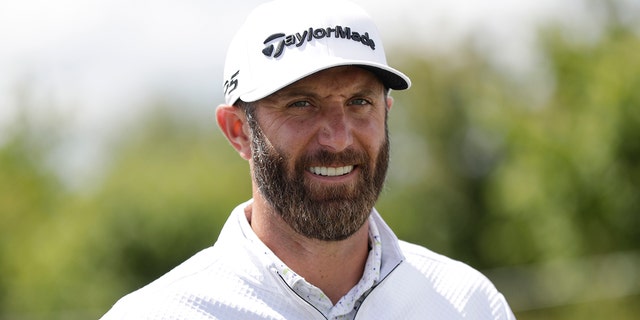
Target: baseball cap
x,y
284,41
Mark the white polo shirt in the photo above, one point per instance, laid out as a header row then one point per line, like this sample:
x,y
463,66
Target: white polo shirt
x,y
240,278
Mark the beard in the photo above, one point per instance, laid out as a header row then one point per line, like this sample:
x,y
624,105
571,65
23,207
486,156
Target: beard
x,y
328,213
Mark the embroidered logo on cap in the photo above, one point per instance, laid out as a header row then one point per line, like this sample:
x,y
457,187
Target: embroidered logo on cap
x,y
276,49
231,84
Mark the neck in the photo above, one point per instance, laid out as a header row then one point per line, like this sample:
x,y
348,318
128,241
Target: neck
x,y
333,266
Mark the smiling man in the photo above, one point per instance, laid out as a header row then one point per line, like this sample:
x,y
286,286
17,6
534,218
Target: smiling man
x,y
306,104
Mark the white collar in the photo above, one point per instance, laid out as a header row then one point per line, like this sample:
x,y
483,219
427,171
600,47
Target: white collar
x,y
383,257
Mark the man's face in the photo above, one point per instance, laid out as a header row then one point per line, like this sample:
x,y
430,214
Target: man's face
x,y
320,151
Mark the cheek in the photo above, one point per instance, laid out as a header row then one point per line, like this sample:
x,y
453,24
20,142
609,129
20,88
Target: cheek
x,y
371,134
292,136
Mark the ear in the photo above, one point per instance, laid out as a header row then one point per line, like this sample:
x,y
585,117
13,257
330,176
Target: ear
x,y
233,124
389,102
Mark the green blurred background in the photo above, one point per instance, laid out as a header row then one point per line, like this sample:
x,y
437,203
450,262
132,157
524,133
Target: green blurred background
x,y
536,182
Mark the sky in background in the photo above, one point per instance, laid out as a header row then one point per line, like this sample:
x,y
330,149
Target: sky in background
x,y
97,61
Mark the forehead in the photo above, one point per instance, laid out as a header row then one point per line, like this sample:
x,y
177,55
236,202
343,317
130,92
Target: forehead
x,y
336,80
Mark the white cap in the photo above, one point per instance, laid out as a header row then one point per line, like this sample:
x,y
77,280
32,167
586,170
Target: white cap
x,y
284,41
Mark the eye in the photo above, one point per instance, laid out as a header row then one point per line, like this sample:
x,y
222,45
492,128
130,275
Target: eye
x,y
300,104
359,102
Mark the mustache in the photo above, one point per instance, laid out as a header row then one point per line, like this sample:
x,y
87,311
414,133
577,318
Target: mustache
x,y
327,158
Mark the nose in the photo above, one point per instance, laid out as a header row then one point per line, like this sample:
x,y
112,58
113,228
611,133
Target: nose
x,y
335,130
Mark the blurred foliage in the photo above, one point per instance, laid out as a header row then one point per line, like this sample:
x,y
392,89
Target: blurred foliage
x,y
485,169
553,179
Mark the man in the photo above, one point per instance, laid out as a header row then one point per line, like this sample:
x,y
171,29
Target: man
x,y
306,103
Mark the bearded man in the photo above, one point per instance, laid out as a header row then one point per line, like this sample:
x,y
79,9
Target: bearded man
x,y
306,104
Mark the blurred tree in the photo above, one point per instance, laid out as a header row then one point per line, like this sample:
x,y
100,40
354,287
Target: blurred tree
x,y
494,178
29,197
570,175
167,195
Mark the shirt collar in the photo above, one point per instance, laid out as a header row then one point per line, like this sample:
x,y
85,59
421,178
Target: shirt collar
x,y
383,257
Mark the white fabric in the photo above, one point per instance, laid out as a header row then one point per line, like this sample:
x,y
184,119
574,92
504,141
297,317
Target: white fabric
x,y
237,279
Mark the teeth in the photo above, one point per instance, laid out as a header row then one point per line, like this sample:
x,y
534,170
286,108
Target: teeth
x,y
331,171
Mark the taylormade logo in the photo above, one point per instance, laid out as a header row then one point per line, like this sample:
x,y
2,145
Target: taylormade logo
x,y
275,49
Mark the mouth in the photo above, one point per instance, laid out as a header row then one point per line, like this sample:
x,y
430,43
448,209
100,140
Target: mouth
x,y
331,171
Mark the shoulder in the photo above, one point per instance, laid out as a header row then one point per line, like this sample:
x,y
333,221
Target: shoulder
x,y
424,258
170,289
196,289
213,276
464,287
436,266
